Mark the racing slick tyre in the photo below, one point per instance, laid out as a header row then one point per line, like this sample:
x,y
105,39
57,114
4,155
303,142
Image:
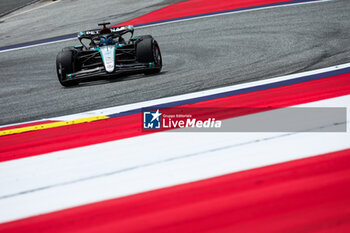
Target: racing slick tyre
x,y
70,48
64,66
73,48
147,51
145,36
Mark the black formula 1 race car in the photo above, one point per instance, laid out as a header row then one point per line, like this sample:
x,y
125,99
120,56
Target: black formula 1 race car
x,y
104,53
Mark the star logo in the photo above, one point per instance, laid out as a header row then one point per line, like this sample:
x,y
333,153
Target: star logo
x,y
156,115
152,119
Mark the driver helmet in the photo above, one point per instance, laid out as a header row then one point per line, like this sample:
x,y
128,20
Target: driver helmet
x,y
103,41
108,41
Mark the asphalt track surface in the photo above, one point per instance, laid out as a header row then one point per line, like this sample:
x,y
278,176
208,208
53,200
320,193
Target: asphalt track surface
x,y
7,6
197,55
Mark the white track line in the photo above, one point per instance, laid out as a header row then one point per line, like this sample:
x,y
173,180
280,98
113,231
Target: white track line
x,y
177,21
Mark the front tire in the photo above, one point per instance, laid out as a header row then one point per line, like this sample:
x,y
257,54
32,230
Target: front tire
x,y
147,51
64,66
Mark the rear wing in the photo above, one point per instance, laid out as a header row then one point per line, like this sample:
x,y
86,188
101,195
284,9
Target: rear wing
x,y
116,31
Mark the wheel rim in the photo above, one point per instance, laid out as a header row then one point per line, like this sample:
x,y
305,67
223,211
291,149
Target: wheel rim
x,y
60,72
156,54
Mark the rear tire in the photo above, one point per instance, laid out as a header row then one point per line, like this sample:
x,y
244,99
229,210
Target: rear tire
x,y
147,51
64,66
73,48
